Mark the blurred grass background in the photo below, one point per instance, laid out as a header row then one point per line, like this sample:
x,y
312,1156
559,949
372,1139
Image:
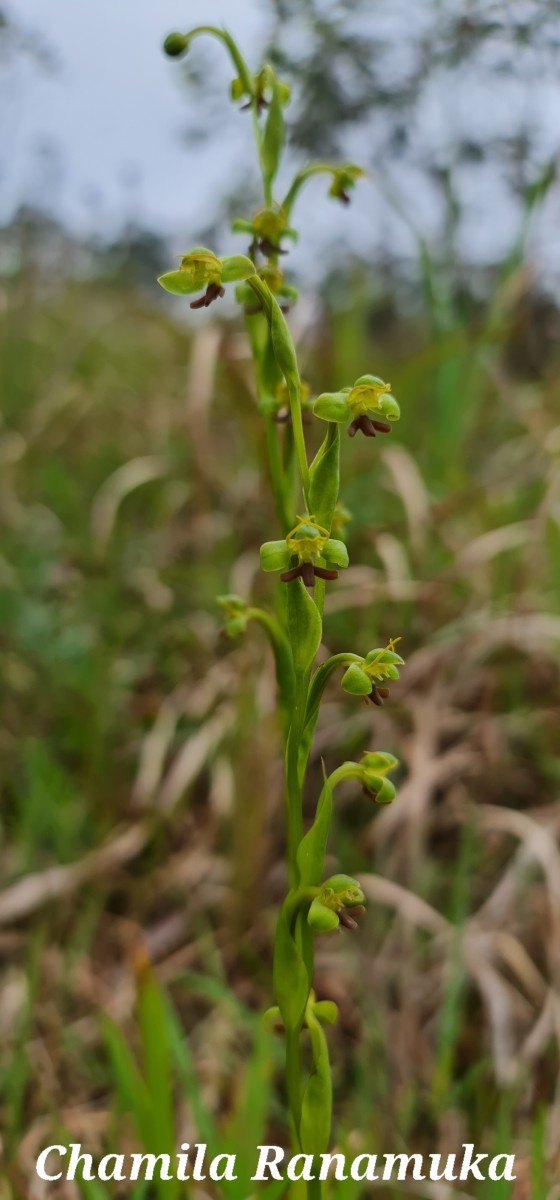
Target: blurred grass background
x,y
141,817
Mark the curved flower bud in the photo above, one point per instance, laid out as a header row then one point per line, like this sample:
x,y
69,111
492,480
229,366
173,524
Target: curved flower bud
x,y
362,405
329,909
341,517
325,1011
236,613
344,180
258,89
199,268
375,767
306,542
176,44
380,665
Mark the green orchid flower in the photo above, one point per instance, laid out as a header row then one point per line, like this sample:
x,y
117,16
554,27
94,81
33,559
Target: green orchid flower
x,y
306,542
340,902
363,405
266,230
201,268
362,678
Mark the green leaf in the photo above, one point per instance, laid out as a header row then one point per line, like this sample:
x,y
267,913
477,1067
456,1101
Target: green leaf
x,y
179,283
313,847
316,1110
332,406
304,626
275,556
291,981
356,681
152,1015
130,1086
324,478
273,140
335,552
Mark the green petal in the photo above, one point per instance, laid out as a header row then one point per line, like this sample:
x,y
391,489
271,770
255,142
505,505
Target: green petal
x,y
332,406
356,682
179,283
275,556
236,267
335,552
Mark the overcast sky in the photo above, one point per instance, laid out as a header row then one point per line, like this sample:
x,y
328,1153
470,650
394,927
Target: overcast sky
x,y
101,137
113,110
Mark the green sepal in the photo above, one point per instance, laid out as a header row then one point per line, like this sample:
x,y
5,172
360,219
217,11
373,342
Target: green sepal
x,y
356,682
291,981
304,627
324,478
384,657
275,556
389,407
370,381
332,406
379,761
384,793
336,552
236,267
237,89
241,225
322,919
179,283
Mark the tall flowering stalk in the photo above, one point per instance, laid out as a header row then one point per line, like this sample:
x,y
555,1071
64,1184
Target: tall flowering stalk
x,y
307,557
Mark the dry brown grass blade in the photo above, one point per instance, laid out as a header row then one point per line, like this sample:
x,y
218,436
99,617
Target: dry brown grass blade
x,y
410,906
29,894
497,997
192,757
409,485
113,491
538,845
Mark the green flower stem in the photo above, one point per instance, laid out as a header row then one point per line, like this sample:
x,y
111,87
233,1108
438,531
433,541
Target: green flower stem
x,y
321,678
236,57
293,780
277,476
314,1186
282,658
319,168
286,358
